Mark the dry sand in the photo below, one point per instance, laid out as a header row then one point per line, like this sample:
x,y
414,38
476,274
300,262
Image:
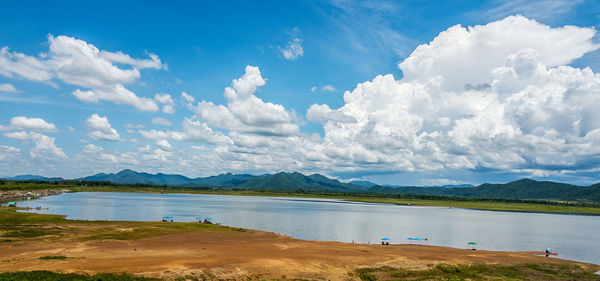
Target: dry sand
x,y
237,255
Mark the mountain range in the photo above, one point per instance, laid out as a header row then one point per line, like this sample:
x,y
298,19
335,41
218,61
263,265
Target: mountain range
x,y
283,181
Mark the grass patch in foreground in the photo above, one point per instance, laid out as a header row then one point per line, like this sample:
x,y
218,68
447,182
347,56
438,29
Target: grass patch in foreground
x,y
18,225
52,276
481,272
53,258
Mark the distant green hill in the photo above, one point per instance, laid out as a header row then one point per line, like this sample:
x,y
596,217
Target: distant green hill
x,y
297,181
521,189
33,178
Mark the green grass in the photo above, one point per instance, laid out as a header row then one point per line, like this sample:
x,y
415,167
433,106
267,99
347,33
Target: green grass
x,y
481,272
53,276
18,225
53,258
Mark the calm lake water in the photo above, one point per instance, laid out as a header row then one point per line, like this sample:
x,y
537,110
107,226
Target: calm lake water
x,y
573,237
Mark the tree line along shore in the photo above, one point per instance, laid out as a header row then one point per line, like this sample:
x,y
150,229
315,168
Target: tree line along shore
x,y
13,190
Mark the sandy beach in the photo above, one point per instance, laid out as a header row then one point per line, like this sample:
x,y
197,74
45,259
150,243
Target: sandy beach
x,y
231,255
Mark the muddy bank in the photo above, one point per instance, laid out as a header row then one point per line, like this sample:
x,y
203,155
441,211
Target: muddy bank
x,y
14,195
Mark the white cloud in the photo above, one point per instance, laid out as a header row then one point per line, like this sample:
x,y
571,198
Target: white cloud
x,y
486,97
44,147
328,88
293,49
34,124
8,88
100,129
245,112
164,98
21,65
79,63
185,96
135,126
161,121
164,144
168,102
322,113
168,109
71,128
313,89
9,154
193,131
455,55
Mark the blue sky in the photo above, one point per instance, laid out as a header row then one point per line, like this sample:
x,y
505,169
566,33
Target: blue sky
x,y
61,115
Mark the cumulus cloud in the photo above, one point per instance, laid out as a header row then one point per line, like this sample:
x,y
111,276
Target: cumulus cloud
x,y
161,121
185,96
9,88
246,112
44,146
79,63
322,113
100,129
167,102
164,144
495,96
456,54
34,124
193,131
293,49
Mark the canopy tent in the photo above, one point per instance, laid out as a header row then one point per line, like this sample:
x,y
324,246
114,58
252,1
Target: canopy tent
x,y
472,245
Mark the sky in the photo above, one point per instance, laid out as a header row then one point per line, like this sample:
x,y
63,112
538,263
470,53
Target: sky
x,y
395,92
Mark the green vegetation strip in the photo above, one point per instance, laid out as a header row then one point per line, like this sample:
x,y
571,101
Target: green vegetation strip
x,y
480,272
401,199
53,258
20,225
51,276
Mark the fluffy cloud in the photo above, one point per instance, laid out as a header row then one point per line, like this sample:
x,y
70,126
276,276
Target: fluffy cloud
x,y
495,96
8,88
465,56
293,49
167,101
322,113
245,112
44,147
34,124
79,63
185,96
100,129
193,131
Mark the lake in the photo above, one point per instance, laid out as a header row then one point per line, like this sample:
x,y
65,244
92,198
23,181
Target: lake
x,y
574,237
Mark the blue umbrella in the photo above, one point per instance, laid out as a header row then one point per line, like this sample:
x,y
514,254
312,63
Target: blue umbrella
x,y
198,218
167,217
385,239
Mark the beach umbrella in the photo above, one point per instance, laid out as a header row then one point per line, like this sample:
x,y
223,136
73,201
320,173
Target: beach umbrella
x,y
472,245
385,239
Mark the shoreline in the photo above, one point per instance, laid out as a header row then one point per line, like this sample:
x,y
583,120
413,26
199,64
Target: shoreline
x,y
19,195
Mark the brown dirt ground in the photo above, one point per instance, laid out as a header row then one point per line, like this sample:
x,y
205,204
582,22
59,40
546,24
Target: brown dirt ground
x,y
237,255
